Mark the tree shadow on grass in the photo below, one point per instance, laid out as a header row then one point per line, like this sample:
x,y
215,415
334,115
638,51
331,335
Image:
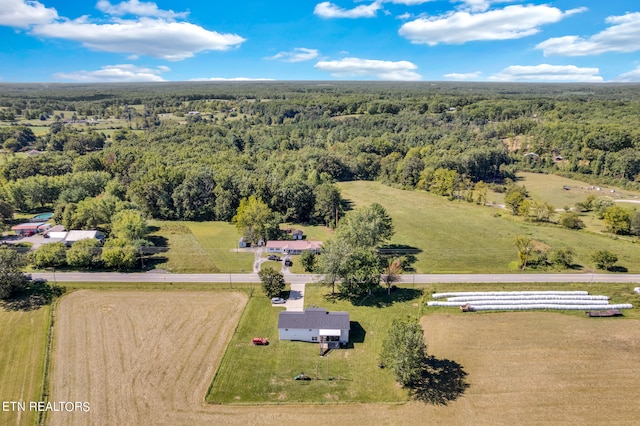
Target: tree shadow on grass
x,y
33,296
379,299
443,381
617,268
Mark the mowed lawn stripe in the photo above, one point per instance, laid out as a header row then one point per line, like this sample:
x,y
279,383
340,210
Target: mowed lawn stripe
x,y
23,339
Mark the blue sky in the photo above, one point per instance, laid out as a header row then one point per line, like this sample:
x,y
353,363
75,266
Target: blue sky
x,y
399,40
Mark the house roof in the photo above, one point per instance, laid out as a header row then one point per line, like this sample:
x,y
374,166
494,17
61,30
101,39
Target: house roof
x,y
30,225
56,228
81,235
314,318
294,245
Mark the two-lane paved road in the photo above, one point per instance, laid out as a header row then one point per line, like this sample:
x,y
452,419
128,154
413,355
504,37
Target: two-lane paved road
x,y
308,278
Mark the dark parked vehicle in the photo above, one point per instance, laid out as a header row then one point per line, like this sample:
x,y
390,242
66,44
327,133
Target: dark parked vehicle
x,y
273,257
288,263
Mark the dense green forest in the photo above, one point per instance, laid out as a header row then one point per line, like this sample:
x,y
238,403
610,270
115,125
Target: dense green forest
x,y
193,151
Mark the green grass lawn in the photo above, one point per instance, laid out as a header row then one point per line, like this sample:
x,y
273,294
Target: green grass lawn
x,y
201,247
23,340
454,236
550,189
257,374
264,375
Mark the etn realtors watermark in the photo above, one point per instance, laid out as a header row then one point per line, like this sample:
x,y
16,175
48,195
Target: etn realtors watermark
x,y
53,406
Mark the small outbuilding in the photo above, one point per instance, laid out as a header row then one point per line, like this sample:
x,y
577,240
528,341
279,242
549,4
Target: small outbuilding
x,y
315,325
29,229
73,236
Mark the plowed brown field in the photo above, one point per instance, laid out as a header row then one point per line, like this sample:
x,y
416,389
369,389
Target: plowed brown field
x,y
136,356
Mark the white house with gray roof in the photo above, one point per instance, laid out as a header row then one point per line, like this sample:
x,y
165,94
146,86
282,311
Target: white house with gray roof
x,y
315,325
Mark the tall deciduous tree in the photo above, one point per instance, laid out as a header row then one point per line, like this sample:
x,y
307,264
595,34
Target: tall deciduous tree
x,y
362,273
255,220
84,253
404,351
308,260
119,254
272,282
12,279
514,197
366,227
604,259
392,268
523,245
328,203
48,255
618,219
129,225
334,261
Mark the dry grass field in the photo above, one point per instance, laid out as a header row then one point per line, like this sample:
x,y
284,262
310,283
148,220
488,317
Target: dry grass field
x,y
541,368
136,356
148,357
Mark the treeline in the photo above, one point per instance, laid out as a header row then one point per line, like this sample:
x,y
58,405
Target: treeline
x,y
288,143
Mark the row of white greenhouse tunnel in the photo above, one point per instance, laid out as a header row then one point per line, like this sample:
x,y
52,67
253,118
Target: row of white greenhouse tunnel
x,y
526,300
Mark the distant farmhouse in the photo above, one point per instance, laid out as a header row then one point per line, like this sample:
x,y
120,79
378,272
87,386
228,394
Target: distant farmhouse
x,y
293,246
330,329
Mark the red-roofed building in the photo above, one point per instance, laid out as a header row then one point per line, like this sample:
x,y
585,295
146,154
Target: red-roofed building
x,y
293,247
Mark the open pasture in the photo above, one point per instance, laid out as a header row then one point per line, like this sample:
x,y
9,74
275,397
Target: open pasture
x,y
136,356
458,237
550,188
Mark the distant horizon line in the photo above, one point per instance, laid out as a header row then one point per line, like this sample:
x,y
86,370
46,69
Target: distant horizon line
x,y
325,82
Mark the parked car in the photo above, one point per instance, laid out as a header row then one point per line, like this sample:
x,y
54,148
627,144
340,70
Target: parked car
x,y
273,257
277,300
288,263
260,341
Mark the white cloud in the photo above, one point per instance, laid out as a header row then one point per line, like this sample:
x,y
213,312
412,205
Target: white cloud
x,y
629,77
115,73
512,22
23,14
135,7
329,10
622,36
384,70
550,73
463,76
230,79
479,5
407,2
159,38
299,54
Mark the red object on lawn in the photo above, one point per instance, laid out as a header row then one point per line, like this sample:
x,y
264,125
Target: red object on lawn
x,y
260,341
